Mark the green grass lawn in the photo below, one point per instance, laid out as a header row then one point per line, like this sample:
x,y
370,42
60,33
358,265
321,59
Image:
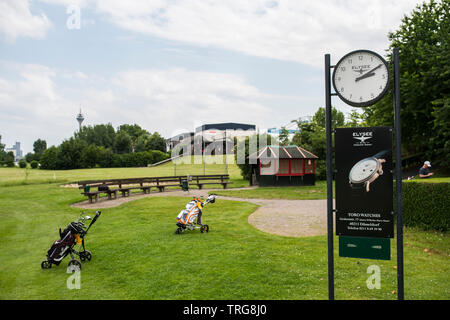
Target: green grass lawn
x,y
213,165
318,191
136,254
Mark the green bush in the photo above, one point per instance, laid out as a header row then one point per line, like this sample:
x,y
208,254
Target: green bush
x,y
22,163
138,159
34,164
426,205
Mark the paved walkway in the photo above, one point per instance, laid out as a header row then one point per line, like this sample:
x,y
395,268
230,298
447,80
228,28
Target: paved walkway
x,y
294,218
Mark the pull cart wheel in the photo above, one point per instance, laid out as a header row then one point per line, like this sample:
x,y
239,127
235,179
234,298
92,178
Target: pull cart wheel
x,y
85,255
88,255
46,264
179,231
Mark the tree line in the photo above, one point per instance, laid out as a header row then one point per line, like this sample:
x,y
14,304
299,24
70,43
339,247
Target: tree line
x,y
99,146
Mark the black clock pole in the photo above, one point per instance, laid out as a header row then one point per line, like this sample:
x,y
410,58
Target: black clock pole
x,y
329,179
398,174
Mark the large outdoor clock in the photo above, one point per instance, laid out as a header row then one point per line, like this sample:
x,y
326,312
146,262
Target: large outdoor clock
x,y
361,78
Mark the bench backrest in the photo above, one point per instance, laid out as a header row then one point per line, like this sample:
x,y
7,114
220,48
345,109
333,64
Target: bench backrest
x,y
153,180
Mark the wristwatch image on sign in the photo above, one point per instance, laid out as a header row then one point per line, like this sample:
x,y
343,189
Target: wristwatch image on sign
x,y
367,170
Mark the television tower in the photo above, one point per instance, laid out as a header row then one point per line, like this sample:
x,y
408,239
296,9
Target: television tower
x,y
80,119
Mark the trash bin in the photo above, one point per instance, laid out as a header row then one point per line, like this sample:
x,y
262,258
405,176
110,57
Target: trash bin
x,y
185,185
87,188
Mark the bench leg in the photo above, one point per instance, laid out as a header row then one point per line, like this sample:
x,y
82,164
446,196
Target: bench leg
x,y
200,186
90,198
96,197
161,189
224,185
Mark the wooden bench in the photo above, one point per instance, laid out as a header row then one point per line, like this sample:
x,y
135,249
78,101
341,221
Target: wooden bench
x,y
94,195
224,184
212,179
124,186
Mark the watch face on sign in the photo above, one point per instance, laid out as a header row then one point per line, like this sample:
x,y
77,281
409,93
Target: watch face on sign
x,y
361,78
363,170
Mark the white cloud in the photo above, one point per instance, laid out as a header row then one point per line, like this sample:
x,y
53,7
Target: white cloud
x,y
40,102
167,100
16,20
301,31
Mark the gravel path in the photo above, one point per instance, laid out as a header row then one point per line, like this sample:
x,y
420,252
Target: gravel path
x,y
293,218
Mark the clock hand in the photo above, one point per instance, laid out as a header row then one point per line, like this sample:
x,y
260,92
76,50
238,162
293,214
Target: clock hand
x,y
366,75
369,73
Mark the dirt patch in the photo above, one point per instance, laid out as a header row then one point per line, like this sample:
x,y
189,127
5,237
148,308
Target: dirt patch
x,y
73,185
292,218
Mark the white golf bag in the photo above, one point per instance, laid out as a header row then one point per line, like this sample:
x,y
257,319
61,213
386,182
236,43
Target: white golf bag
x,y
191,217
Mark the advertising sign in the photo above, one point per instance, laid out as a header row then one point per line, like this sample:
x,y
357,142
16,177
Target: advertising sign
x,y
364,189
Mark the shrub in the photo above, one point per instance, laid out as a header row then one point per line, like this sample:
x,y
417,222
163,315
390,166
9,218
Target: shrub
x,y
426,205
34,164
9,159
49,158
22,163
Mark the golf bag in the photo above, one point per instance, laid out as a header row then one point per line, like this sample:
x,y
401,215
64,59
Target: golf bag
x,y
72,235
191,217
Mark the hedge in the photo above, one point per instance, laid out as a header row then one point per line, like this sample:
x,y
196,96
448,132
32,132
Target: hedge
x,y
426,205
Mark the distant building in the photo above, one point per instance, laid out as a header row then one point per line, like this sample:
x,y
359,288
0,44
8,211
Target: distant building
x,y
217,137
18,154
186,137
220,136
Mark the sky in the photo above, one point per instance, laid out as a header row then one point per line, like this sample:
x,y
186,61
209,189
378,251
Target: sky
x,y
173,65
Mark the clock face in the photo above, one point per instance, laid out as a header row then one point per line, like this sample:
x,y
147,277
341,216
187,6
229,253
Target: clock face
x,y
361,78
363,170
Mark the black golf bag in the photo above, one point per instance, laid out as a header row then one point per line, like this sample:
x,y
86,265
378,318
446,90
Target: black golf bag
x,y
71,236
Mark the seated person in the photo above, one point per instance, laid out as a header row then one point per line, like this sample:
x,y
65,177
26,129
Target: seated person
x,y
424,171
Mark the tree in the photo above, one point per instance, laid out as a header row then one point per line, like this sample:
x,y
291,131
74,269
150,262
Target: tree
x,y
337,118
49,158
9,159
142,143
423,41
22,163
30,156
90,155
106,157
134,132
283,137
2,151
70,152
34,164
39,146
100,135
122,143
157,142
355,119
312,136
